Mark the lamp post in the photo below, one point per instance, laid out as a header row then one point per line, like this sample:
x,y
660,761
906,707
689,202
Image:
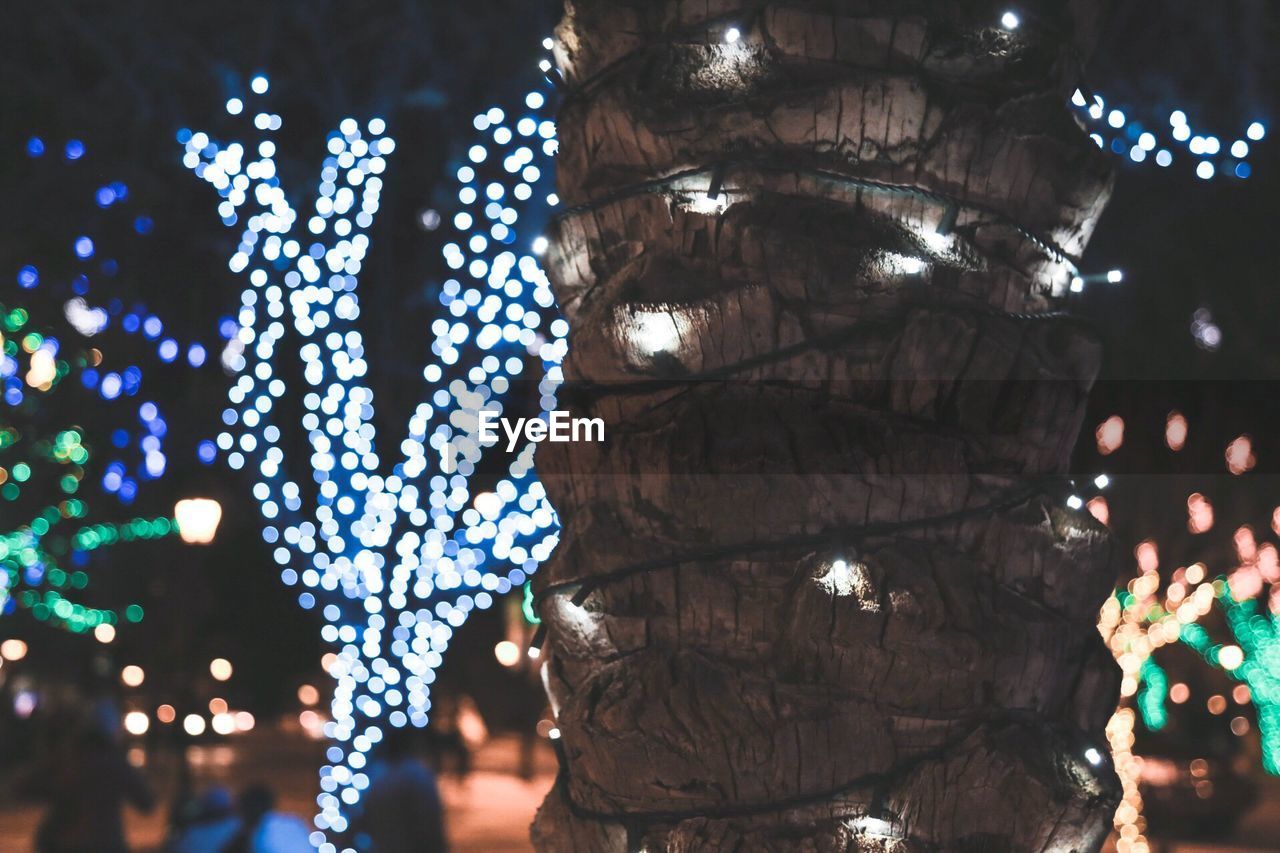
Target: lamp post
x,y
197,519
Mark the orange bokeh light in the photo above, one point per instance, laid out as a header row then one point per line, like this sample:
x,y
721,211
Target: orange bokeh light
x,y
1175,431
1110,435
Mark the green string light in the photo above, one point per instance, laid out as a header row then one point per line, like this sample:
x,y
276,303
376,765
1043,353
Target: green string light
x,y
31,577
1257,634
1152,695
527,605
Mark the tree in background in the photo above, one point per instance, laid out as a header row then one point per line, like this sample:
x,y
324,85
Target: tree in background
x,y
1206,581
80,435
45,458
395,556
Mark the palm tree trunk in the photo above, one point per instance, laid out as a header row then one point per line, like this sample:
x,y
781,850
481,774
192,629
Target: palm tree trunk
x,y
819,588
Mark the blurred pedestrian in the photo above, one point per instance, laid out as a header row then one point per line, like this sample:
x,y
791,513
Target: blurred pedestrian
x,y
265,830
456,729
402,812
205,824
86,784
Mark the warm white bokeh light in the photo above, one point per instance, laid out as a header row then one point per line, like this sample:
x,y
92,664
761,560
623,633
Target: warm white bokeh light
x,y
197,519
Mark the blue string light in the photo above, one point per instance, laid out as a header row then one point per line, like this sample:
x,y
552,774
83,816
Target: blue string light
x,y
1131,139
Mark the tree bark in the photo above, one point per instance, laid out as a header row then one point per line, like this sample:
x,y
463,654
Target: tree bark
x,y
819,589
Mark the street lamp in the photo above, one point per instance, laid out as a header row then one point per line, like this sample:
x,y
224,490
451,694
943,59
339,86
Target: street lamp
x,y
197,519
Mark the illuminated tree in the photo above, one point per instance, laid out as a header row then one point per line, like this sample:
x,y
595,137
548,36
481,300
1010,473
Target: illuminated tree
x,y
1221,603
79,437
43,459
825,586
395,555
1135,623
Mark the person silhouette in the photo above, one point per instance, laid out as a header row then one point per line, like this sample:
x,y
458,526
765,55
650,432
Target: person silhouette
x,y
402,811
86,783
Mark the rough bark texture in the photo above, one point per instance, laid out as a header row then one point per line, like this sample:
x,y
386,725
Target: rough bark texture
x,y
819,589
